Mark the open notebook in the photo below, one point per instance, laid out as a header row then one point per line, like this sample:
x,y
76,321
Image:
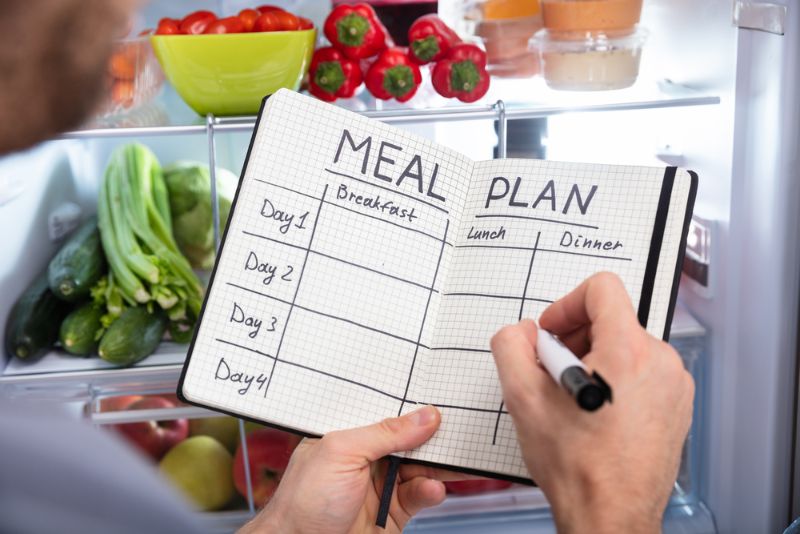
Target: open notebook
x,y
364,270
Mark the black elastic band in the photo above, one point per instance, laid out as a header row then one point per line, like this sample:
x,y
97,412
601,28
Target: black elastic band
x,y
388,489
687,219
651,269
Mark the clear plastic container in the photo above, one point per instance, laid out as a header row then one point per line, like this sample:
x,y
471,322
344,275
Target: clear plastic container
x,y
589,61
591,15
134,77
504,27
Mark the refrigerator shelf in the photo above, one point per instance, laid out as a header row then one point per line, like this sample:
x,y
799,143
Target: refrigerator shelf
x,y
521,99
57,371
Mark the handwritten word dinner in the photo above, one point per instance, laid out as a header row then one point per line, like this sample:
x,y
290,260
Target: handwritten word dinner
x,y
391,163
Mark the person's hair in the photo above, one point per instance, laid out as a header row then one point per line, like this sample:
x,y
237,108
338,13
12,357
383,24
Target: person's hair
x,y
53,61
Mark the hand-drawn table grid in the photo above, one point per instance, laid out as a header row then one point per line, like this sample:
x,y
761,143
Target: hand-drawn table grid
x,y
337,357
493,283
324,205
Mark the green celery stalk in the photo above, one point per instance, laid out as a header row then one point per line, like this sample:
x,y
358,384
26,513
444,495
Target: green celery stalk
x,y
120,194
129,285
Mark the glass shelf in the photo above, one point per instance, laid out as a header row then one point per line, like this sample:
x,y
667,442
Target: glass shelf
x,y
530,98
58,369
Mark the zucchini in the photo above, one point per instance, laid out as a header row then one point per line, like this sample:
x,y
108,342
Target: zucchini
x,y
79,264
32,326
79,329
133,336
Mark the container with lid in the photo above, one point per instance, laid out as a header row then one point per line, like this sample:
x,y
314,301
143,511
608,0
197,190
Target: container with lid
x,y
504,27
589,61
591,15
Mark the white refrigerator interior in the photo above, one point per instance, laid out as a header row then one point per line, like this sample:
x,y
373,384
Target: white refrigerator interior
x,y
719,93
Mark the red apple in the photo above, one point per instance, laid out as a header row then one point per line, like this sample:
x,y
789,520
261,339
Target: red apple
x,y
471,487
154,438
118,403
173,398
268,453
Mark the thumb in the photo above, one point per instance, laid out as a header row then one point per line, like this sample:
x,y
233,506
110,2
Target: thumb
x,y
390,435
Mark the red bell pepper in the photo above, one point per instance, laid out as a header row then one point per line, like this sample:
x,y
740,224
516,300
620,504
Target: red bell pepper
x,y
393,75
429,39
462,73
332,75
355,30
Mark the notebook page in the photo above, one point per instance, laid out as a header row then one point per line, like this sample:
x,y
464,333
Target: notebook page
x,y
328,283
510,261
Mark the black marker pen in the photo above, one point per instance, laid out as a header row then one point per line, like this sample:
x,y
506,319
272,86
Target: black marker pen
x,y
589,390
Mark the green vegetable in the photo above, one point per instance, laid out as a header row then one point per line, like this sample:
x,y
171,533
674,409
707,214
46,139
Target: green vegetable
x,y
33,323
189,186
133,336
146,265
78,332
78,265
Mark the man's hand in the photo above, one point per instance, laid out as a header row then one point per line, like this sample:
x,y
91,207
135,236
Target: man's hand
x,y
610,470
334,484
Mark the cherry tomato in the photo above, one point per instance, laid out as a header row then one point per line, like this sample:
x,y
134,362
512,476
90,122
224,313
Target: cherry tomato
x,y
226,25
288,22
146,31
268,9
121,67
305,24
267,22
195,23
168,27
122,93
248,18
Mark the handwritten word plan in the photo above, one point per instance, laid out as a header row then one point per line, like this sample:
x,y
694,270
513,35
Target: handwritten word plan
x,y
365,269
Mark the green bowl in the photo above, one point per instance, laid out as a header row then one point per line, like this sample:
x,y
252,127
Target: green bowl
x,y
230,74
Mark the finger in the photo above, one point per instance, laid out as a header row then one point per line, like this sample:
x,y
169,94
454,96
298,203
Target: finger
x,y
420,493
600,301
514,353
409,471
390,435
578,341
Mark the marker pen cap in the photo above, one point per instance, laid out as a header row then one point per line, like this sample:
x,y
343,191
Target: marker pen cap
x,y
588,393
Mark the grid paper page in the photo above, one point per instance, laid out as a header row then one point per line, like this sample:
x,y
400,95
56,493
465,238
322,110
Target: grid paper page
x,y
321,309
512,257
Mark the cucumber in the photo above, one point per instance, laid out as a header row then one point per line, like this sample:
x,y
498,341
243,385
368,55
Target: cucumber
x,y
78,330
133,336
32,326
79,264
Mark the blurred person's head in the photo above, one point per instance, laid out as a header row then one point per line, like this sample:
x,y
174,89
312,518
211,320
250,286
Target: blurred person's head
x,y
53,60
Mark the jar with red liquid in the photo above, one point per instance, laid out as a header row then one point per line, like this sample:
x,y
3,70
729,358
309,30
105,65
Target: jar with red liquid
x,y
397,15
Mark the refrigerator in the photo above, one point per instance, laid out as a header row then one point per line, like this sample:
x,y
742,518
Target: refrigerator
x,y
718,92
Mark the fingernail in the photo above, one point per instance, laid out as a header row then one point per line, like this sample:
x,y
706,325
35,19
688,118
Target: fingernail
x,y
424,416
